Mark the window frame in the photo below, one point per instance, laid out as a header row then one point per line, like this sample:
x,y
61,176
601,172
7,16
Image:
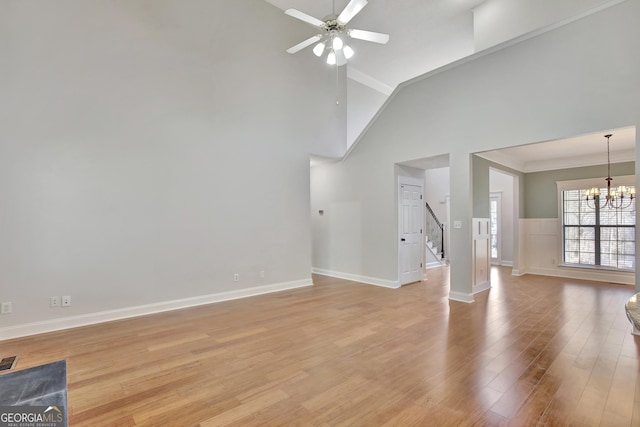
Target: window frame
x,y
580,184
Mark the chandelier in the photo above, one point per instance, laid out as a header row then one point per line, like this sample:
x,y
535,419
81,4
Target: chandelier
x,y
617,197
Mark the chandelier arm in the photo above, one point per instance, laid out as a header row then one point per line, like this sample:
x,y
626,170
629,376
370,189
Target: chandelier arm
x,y
615,198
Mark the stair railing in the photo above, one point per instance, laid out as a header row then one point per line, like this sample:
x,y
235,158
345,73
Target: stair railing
x,y
435,230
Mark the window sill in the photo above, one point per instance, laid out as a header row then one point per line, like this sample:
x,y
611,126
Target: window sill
x,y
597,268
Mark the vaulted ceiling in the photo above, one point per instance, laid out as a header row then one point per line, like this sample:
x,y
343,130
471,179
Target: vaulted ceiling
x,y
427,34
424,34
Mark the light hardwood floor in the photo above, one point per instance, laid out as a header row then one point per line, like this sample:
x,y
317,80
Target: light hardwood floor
x,y
532,351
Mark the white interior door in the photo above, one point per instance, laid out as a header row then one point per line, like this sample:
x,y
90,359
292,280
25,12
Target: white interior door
x,y
411,245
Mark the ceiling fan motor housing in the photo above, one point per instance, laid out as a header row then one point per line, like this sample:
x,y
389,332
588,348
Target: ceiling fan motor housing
x,y
331,23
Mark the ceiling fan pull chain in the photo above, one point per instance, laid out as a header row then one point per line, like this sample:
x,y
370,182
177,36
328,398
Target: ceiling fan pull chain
x,y
337,84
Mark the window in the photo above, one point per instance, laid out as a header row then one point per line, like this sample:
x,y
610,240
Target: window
x,y
596,236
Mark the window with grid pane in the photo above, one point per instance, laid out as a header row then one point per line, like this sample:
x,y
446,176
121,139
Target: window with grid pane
x,y
597,236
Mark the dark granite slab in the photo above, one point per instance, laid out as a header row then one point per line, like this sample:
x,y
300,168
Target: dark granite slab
x,y
44,385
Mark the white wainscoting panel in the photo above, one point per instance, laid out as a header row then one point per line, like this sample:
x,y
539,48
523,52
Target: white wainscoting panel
x,y
481,256
542,254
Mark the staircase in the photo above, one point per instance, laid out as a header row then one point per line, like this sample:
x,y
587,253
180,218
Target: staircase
x,y
434,239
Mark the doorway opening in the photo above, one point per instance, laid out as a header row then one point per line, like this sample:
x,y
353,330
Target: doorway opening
x,y
432,175
504,213
495,207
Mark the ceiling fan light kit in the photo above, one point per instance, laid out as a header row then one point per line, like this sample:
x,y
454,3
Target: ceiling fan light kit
x,y
337,43
348,52
334,34
318,50
331,58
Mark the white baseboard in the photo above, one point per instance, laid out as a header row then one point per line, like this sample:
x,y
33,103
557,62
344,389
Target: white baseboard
x,y
143,310
461,297
584,274
356,278
481,287
433,264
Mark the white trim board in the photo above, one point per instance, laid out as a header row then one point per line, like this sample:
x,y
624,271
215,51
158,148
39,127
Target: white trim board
x,y
433,264
365,79
461,297
481,287
577,273
34,328
357,278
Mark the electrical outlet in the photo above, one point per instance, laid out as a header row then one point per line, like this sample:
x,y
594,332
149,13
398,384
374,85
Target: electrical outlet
x,y
66,301
55,302
236,277
6,308
262,274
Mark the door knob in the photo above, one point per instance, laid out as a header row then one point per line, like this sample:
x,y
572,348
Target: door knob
x,y
402,240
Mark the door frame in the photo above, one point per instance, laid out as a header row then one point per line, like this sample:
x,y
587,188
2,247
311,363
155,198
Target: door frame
x,y
498,197
418,182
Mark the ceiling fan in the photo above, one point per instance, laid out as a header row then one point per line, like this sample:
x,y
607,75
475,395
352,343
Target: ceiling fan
x,y
334,35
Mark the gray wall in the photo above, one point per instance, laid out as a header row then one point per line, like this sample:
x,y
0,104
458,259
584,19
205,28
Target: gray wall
x,y
363,103
151,149
540,185
576,79
480,184
495,21
504,184
436,191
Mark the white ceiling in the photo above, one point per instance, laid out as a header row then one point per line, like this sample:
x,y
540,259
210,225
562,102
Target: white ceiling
x,y
427,34
584,150
424,34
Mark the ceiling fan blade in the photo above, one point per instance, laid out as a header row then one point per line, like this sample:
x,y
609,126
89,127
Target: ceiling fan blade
x,y
304,17
302,45
351,10
369,36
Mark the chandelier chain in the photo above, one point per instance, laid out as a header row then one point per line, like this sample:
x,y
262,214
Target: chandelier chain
x,y
616,197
